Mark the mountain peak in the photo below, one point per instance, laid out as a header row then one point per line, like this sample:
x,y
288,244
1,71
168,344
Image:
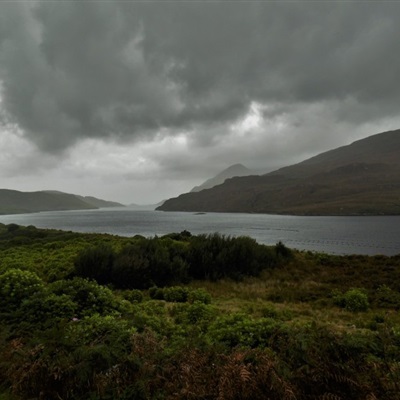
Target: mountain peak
x,y
230,172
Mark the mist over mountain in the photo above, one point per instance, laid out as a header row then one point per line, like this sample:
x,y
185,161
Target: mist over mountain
x,y
362,178
230,172
16,202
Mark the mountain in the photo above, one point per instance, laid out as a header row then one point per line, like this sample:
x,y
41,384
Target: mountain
x,y
230,172
145,207
362,178
99,203
16,202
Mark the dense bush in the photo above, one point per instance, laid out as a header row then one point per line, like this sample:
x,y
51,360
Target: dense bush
x,y
216,256
176,294
240,330
133,295
353,300
45,308
131,269
89,296
180,294
16,286
165,261
386,297
196,313
199,295
95,263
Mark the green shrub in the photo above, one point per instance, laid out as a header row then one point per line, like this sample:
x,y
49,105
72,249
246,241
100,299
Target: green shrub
x,y
95,263
16,286
152,315
353,300
199,312
385,297
44,308
133,295
240,330
217,256
97,329
88,295
269,311
156,293
176,294
199,295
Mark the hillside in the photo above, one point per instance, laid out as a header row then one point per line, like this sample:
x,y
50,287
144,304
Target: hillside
x,y
362,178
230,172
16,202
99,203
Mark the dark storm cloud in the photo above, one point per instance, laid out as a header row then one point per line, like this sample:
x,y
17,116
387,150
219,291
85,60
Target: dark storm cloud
x,y
72,70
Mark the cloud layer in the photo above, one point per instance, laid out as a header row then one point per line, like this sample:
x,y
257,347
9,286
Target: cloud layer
x,y
188,88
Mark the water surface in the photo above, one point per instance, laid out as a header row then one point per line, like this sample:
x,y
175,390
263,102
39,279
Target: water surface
x,y
337,235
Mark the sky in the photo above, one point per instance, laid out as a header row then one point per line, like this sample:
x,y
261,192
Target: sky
x,y
139,101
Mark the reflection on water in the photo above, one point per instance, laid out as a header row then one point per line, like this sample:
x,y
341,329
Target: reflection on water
x,y
340,235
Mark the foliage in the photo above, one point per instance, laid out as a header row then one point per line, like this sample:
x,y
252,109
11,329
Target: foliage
x,y
45,308
199,295
95,263
353,300
88,295
133,295
386,297
16,286
176,294
180,294
282,251
67,336
216,256
240,330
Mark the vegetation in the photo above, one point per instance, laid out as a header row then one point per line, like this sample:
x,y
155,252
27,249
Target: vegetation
x,y
89,316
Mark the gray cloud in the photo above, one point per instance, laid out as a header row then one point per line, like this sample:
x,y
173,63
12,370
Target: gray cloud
x,y
72,70
138,74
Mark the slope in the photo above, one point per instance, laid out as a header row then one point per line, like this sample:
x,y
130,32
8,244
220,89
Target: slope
x,y
16,202
359,179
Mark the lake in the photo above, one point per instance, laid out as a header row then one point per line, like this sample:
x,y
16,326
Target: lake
x,y
335,235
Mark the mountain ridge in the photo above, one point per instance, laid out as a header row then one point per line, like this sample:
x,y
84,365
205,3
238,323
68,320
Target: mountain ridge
x,y
230,172
18,202
362,178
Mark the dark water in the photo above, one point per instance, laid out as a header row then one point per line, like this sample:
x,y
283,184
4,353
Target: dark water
x,y
338,235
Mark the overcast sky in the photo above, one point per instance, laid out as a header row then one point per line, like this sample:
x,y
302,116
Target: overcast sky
x,y
140,101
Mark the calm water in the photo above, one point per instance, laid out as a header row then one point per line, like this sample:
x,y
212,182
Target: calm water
x,y
339,235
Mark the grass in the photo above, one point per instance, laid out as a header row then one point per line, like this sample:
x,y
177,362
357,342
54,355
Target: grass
x,y
301,291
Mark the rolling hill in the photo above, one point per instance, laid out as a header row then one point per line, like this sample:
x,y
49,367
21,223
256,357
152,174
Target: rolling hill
x,y
362,178
16,202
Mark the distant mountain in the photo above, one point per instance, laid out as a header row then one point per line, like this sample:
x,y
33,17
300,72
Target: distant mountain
x,y
99,203
230,172
145,207
16,202
362,178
